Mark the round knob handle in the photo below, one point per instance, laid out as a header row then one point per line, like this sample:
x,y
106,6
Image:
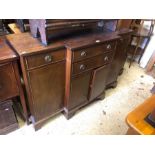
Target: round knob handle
x,y
108,46
82,67
48,58
83,53
106,58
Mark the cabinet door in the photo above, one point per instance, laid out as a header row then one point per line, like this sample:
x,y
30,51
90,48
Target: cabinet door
x,y
80,86
47,86
121,52
119,59
98,82
8,83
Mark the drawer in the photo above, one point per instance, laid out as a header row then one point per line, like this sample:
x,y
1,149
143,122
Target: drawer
x,y
8,83
92,62
93,51
45,58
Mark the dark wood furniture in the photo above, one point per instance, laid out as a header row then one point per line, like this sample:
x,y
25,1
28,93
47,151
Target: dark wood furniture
x,y
44,75
116,67
23,24
8,121
10,81
88,62
68,73
48,29
124,23
3,30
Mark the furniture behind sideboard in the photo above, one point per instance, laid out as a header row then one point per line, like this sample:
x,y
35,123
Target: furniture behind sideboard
x,y
10,79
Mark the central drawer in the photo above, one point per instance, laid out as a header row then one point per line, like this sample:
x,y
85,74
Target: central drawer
x,y
93,62
92,51
45,58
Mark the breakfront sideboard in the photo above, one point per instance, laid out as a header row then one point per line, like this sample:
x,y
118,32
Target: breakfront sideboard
x,y
70,72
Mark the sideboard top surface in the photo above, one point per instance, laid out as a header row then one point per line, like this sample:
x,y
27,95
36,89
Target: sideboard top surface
x,y
90,39
25,44
6,53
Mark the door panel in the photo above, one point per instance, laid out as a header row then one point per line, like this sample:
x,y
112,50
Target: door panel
x,y
98,82
47,88
119,59
79,89
8,83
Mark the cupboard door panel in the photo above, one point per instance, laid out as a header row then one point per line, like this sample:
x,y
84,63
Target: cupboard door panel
x,y
8,83
98,82
119,59
79,89
47,89
121,53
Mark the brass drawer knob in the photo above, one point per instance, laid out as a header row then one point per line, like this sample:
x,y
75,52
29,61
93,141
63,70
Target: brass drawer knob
x,y
106,58
108,46
83,53
82,67
48,58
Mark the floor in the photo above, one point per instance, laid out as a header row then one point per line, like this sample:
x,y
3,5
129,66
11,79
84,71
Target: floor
x,y
101,117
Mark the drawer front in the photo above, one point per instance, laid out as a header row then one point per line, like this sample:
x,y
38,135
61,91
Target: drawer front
x,y
92,62
92,51
8,83
45,58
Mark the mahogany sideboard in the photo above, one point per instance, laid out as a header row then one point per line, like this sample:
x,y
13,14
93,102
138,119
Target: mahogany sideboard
x,y
10,81
68,73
